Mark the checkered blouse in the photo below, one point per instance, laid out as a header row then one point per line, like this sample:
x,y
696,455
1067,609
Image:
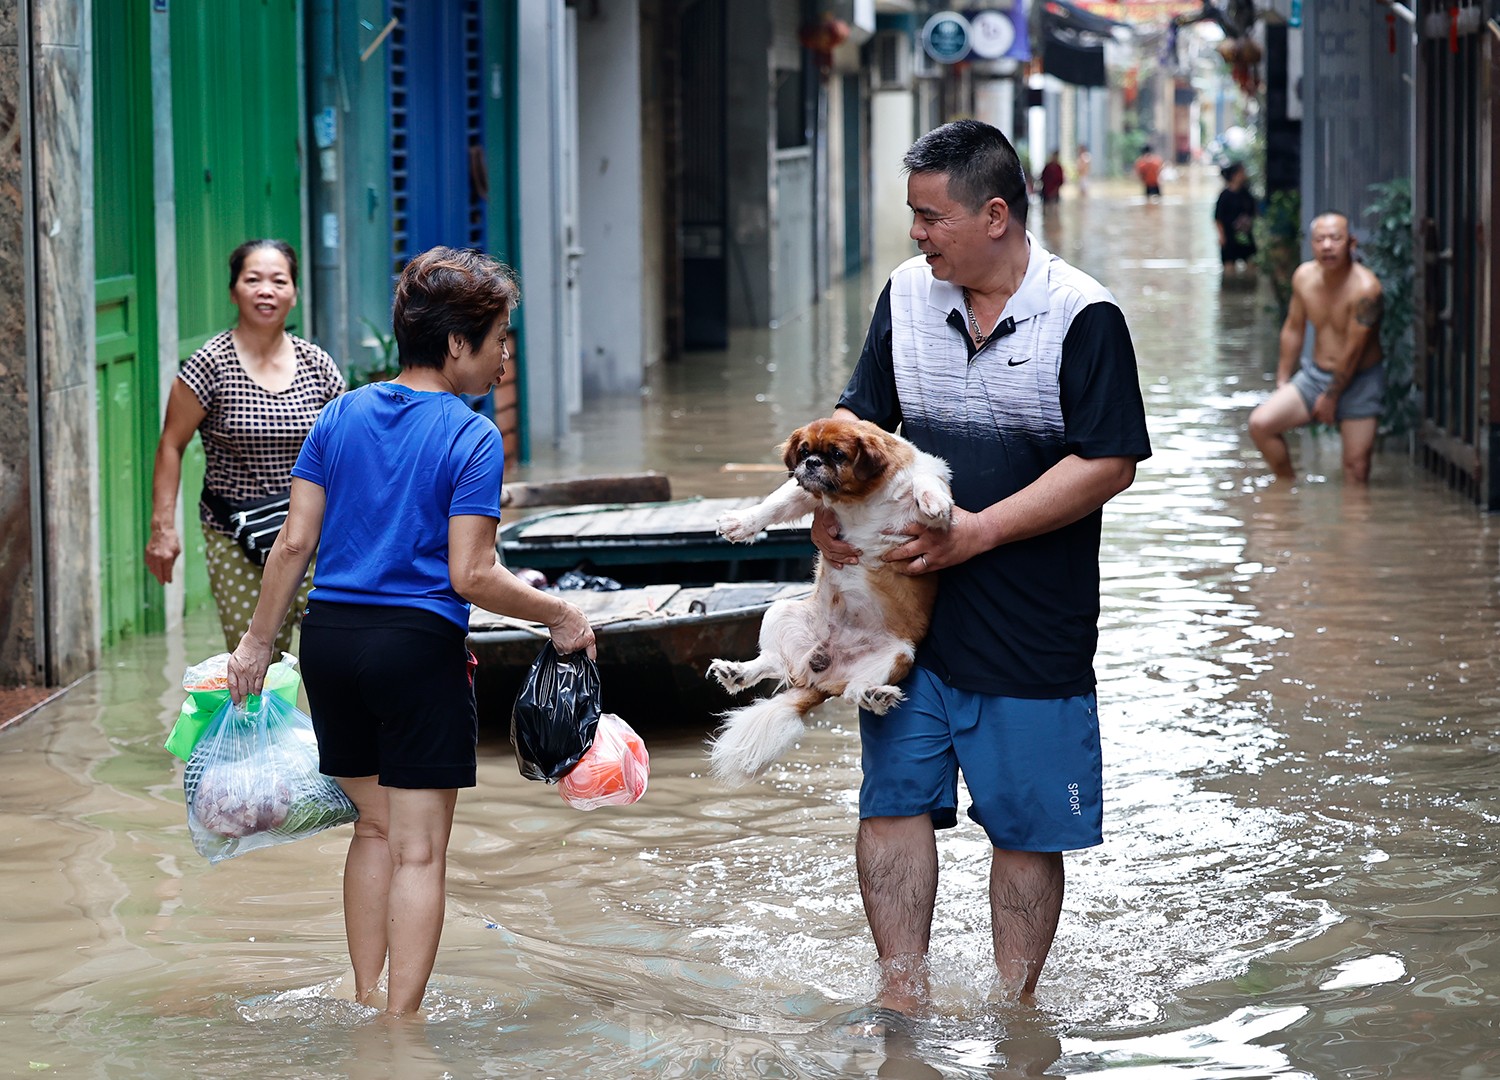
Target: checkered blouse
x,y
251,436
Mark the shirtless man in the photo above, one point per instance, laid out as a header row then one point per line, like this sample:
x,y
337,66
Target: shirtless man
x,y
1341,380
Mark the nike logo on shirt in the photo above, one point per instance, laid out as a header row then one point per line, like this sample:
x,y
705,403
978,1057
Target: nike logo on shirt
x,y
1018,363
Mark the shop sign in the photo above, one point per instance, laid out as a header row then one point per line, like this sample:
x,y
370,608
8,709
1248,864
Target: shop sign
x,y
947,37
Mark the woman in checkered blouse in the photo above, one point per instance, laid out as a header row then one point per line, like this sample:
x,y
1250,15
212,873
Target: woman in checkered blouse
x,y
252,393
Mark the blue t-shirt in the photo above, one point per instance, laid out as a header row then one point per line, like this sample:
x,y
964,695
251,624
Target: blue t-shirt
x,y
395,464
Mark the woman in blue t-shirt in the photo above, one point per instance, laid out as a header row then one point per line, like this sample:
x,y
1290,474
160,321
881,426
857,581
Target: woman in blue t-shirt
x,y
397,490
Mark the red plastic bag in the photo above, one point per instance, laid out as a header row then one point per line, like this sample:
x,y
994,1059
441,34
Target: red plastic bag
x,y
613,772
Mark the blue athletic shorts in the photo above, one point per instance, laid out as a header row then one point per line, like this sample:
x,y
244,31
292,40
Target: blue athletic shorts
x,y
1033,767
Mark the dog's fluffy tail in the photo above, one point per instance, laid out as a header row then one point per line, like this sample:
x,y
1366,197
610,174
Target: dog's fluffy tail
x,y
757,734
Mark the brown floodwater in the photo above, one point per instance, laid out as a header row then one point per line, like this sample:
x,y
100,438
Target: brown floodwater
x,y
1298,694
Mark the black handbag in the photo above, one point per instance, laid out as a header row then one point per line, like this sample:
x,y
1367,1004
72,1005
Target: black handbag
x,y
254,523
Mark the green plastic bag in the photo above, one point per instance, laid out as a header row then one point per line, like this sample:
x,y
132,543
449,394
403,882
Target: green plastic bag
x,y
207,684
253,781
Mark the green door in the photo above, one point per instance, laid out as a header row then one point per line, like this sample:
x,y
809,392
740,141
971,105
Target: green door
x,y
237,169
125,317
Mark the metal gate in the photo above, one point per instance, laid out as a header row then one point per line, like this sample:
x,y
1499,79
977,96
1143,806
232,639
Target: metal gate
x,y
125,317
1455,168
237,170
439,181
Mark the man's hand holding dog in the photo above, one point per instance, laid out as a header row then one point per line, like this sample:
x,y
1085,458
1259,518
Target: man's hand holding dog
x,y
934,549
825,537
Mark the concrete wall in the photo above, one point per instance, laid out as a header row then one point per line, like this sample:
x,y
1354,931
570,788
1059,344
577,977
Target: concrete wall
x,y
609,189
165,217
19,649
49,541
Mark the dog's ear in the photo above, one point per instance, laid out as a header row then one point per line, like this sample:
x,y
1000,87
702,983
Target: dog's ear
x,y
790,447
869,458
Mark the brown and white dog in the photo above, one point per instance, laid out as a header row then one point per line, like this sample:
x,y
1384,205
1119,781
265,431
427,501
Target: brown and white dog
x,y
856,635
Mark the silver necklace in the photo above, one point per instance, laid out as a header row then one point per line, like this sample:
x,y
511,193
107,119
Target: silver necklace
x,y
979,336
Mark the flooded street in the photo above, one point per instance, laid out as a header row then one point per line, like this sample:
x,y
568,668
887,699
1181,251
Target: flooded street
x,y
1298,692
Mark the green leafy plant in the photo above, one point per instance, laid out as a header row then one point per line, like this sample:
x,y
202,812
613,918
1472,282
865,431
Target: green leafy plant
x,y
1127,147
1387,251
1278,239
383,367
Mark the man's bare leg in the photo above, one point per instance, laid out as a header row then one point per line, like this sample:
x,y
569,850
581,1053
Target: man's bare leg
x,y
1359,448
897,861
1270,420
1026,895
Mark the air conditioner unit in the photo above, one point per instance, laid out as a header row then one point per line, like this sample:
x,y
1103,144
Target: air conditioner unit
x,y
893,60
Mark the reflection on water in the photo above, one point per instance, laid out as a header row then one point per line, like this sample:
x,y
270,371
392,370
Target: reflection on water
x,y
1297,686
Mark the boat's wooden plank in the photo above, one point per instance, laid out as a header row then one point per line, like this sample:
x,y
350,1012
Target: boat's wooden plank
x,y
600,607
629,487
698,517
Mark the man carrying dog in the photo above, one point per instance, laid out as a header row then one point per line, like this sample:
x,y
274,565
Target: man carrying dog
x,y
1341,379
1017,369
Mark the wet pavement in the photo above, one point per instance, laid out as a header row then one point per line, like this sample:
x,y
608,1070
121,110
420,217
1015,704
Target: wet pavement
x,y
1297,687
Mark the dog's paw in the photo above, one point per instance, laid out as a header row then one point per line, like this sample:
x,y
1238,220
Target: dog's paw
x,y
730,674
934,503
879,699
738,526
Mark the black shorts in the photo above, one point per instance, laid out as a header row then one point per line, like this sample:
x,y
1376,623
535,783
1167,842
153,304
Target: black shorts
x,y
392,695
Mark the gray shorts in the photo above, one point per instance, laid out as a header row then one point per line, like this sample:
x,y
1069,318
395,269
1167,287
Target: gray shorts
x,y
1360,399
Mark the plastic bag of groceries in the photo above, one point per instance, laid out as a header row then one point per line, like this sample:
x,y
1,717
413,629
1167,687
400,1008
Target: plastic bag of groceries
x,y
556,713
253,781
207,685
613,772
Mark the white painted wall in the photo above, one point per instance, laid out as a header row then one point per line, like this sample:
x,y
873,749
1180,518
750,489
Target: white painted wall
x,y
892,131
539,29
610,195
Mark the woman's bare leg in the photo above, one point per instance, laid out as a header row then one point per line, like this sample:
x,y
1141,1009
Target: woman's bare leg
x,y
421,822
367,883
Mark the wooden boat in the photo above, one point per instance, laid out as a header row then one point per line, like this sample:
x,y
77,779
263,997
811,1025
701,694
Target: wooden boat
x,y
688,597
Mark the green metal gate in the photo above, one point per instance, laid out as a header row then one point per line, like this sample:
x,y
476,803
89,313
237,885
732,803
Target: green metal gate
x,y
237,167
125,316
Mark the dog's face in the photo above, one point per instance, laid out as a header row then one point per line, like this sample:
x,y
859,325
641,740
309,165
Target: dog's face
x,y
840,458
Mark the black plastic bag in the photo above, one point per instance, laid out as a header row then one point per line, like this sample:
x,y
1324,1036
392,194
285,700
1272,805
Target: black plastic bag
x,y
556,714
578,578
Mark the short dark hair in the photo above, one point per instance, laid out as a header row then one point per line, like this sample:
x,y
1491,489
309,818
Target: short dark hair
x,y
1230,171
238,256
978,160
448,291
